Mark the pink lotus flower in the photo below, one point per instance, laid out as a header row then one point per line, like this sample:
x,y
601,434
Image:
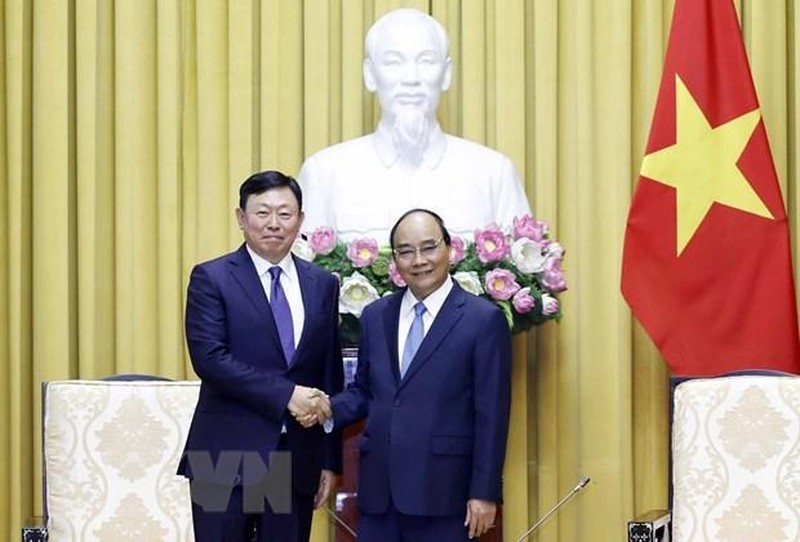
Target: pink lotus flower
x,y
362,252
518,268
523,301
501,284
549,305
552,277
395,277
457,250
323,240
530,228
491,244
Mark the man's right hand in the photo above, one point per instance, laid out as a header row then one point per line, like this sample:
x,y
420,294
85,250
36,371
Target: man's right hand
x,y
309,406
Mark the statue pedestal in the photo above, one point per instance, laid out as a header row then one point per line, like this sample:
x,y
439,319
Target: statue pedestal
x,y
346,505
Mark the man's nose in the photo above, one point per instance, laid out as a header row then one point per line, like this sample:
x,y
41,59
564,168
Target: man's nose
x,y
272,222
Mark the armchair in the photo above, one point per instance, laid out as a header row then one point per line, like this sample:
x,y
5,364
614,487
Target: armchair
x,y
735,461
110,454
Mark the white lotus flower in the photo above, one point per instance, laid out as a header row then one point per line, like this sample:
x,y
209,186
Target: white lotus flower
x,y
527,255
355,294
470,281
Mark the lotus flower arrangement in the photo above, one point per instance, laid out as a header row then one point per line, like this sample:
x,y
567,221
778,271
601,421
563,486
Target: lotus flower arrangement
x,y
520,270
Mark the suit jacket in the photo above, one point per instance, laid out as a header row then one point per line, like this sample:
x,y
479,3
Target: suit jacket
x,y
436,438
246,383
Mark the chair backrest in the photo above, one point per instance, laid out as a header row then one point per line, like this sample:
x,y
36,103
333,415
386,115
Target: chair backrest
x,y
111,449
736,459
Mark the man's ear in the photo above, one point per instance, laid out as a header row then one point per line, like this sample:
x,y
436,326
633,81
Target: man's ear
x,y
369,75
447,78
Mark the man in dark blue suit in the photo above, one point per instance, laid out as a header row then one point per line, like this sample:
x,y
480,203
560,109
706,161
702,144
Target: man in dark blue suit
x,y
261,327
433,381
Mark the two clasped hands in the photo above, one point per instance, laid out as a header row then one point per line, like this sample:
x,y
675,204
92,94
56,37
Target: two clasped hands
x,y
310,406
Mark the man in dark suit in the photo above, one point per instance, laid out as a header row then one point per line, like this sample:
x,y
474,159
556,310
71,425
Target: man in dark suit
x,y
433,381
261,326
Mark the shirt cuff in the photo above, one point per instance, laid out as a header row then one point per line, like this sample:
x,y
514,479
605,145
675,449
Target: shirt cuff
x,y
327,425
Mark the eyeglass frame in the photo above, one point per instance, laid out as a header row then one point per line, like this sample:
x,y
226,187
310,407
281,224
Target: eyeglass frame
x,y
409,253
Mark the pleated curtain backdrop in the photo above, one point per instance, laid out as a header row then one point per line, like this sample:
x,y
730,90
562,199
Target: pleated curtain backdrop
x,y
128,125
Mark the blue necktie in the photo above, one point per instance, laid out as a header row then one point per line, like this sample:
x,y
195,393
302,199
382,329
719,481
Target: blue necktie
x,y
414,339
282,314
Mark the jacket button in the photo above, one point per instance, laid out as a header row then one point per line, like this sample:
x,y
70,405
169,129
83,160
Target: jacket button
x,y
397,402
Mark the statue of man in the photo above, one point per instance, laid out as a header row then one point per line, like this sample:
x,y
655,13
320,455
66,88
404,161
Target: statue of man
x,y
360,187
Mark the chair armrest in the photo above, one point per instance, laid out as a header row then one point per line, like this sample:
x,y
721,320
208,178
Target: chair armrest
x,y
652,526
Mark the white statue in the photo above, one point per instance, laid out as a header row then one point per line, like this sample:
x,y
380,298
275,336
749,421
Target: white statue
x,y
361,186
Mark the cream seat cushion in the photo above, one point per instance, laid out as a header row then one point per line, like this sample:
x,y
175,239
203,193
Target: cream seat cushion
x,y
110,452
736,454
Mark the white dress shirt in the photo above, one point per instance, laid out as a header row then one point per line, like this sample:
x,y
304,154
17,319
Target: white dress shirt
x,y
291,287
433,303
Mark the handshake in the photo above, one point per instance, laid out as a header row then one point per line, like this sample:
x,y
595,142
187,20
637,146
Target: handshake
x,y
309,406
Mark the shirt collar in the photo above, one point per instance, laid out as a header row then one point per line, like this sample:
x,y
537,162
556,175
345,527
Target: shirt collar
x,y
287,266
434,301
388,153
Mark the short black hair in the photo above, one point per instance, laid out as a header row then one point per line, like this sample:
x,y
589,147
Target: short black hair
x,y
260,182
437,218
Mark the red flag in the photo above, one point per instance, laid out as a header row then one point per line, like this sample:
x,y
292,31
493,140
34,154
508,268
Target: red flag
x,y
707,264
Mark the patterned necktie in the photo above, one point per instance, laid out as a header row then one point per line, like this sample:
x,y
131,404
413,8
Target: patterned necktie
x,y
414,338
282,314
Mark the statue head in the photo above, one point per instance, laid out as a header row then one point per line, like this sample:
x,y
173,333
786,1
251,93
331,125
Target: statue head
x,y
407,64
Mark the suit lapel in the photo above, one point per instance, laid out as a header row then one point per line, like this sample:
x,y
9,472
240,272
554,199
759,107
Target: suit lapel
x,y
451,312
309,290
244,272
391,321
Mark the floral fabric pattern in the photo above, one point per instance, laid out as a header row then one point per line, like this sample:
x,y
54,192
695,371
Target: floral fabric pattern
x,y
111,450
736,453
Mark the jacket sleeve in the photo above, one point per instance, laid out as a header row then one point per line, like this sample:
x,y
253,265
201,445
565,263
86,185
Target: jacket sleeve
x,y
334,382
492,377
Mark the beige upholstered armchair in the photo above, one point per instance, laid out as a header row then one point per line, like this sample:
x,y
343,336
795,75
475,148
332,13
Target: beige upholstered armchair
x,y
735,461
110,454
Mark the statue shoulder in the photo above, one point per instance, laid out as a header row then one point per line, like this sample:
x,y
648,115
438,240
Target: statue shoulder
x,y
473,149
480,159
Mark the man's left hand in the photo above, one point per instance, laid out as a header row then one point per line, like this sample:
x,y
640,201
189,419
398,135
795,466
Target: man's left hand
x,y
480,516
327,483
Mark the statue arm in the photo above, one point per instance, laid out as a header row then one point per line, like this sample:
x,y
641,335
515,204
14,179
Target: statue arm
x,y
511,200
312,182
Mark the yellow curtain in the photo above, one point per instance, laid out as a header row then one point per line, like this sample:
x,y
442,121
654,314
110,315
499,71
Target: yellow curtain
x,y
126,127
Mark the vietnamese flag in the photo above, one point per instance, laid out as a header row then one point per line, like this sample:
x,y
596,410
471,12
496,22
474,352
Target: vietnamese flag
x,y
706,266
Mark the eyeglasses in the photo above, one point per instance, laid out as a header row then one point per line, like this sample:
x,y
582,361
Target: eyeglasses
x,y
427,250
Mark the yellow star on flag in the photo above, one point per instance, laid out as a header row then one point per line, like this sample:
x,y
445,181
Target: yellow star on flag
x,y
701,165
